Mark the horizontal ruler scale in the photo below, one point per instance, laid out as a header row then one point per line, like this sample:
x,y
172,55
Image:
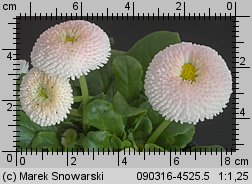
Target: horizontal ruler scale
x,y
222,158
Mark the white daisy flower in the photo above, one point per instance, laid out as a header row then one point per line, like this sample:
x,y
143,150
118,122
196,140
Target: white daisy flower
x,y
188,83
71,49
44,98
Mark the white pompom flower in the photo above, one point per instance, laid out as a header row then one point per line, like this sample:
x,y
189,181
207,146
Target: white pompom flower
x,y
71,49
188,83
44,98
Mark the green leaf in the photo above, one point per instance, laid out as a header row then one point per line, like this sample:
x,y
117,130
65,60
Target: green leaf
x,y
140,100
132,140
127,144
176,135
158,131
123,108
133,111
101,139
183,139
128,76
25,136
141,132
146,48
26,122
101,80
119,103
26,131
129,149
154,116
46,139
143,128
100,114
212,148
69,137
152,147
75,113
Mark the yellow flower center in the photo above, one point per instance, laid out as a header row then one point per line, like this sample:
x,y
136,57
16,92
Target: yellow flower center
x,y
42,93
188,72
70,39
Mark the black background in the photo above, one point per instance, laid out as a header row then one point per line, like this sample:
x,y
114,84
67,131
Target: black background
x,y
214,33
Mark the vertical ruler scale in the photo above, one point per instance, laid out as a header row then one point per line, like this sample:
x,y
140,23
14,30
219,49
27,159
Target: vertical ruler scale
x,y
239,66
235,73
13,104
17,87
231,157
13,56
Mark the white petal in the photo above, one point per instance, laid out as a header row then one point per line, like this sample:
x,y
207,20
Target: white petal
x,y
23,66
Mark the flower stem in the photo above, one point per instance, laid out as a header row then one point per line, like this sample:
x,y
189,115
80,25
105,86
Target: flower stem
x,y
159,130
84,90
85,99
